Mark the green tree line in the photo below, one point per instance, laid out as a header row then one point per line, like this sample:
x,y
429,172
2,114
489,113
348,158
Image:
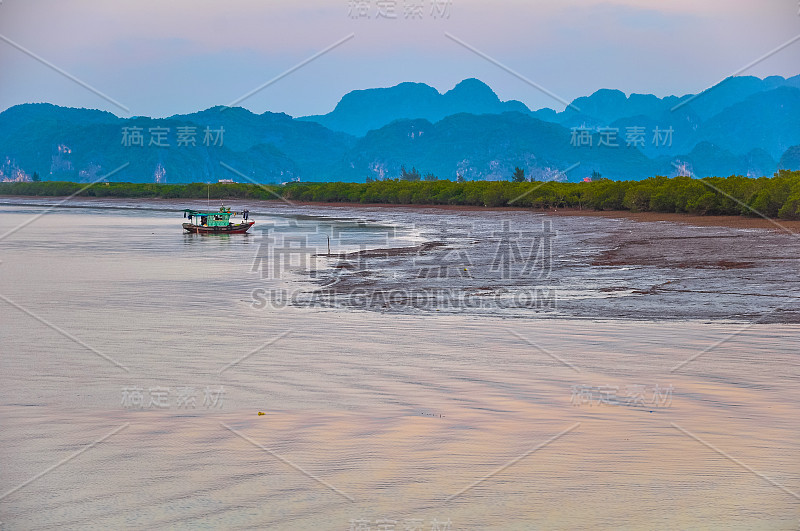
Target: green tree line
x,y
141,190
777,197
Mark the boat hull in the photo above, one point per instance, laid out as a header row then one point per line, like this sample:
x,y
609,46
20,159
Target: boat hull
x,y
239,228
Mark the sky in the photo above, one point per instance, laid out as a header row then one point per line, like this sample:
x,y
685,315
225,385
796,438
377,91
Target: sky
x,y
160,58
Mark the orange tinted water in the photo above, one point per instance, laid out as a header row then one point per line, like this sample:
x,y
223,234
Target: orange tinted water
x,y
370,417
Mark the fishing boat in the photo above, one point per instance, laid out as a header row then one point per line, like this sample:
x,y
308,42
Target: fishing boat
x,y
216,222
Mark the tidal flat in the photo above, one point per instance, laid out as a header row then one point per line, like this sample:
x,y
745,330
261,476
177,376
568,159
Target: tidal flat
x,y
477,369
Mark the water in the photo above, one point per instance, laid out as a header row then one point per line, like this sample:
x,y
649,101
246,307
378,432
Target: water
x,y
496,419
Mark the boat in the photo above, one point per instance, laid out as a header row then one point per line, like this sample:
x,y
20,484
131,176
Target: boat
x,y
216,222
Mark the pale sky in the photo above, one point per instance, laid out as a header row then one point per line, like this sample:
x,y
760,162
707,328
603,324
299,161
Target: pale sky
x,y
159,58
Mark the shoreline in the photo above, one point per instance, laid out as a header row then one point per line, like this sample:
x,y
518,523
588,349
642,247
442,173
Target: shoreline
x,y
735,222
640,266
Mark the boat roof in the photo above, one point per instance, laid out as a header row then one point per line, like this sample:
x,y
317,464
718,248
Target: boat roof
x,y
207,213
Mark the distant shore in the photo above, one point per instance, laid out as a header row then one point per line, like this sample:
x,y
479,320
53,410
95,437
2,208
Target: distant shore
x,y
737,222
678,199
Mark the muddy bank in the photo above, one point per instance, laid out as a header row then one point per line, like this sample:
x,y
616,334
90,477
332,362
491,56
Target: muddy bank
x,y
518,265
738,222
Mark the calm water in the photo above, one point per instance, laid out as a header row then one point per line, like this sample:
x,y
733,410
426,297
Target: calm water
x,y
135,364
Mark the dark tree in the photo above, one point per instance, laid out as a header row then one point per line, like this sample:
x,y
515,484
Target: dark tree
x,y
413,175
519,175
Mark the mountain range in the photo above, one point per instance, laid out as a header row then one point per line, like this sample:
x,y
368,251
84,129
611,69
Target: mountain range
x,y
743,125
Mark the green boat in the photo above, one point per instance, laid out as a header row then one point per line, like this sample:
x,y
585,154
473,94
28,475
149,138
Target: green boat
x,y
216,222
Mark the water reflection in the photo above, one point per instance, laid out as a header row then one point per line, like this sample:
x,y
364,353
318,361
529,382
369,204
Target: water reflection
x,y
401,412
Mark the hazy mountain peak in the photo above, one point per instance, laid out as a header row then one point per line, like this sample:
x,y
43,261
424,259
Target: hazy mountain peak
x,y
57,112
473,88
403,91
360,111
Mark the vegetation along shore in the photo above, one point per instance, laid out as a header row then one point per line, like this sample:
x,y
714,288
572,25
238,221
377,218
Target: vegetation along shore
x,y
776,197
